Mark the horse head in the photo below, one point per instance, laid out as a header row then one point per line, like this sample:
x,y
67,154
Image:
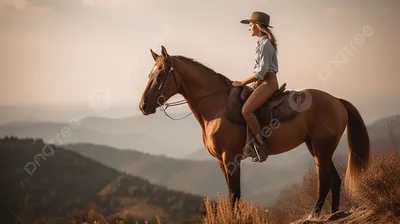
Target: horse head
x,y
162,83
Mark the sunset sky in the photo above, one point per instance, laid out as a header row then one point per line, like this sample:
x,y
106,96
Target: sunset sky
x,y
63,52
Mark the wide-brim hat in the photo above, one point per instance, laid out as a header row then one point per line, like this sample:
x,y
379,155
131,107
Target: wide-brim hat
x,y
258,17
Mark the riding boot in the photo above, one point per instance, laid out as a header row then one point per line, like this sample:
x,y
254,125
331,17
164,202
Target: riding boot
x,y
251,142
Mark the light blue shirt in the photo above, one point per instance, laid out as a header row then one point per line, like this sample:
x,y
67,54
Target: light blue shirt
x,y
265,58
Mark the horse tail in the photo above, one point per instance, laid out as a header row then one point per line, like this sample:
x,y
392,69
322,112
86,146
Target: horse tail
x,y
358,143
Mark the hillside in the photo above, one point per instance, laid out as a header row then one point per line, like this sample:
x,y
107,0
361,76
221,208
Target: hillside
x,y
63,182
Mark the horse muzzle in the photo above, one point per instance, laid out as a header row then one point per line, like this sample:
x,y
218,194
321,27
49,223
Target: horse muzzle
x,y
146,109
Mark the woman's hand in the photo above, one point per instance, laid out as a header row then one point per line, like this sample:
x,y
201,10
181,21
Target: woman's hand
x,y
237,83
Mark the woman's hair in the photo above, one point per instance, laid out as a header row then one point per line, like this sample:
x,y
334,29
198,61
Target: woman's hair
x,y
264,29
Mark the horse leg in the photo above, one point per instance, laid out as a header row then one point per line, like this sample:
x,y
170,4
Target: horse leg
x,y
336,184
323,149
222,166
323,180
324,185
233,175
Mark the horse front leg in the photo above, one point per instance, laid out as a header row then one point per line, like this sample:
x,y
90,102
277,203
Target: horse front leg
x,y
222,166
232,169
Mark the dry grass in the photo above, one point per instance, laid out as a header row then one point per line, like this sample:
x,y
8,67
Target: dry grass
x,y
379,187
221,212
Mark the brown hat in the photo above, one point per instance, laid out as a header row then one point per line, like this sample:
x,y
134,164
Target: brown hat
x,y
258,17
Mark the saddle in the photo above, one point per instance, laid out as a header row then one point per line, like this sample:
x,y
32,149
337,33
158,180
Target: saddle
x,y
283,105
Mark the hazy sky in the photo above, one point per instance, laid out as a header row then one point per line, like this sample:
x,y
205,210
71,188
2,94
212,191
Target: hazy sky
x,y
63,52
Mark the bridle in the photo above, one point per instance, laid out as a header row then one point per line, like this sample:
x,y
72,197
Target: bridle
x,y
164,105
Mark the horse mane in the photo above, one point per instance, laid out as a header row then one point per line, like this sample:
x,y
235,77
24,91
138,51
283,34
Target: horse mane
x,y
223,78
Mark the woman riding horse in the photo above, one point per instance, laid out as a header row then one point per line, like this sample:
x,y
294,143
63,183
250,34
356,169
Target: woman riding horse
x,y
320,125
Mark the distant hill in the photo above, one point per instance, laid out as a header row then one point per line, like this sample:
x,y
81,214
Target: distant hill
x,y
52,132
56,186
379,128
61,113
155,134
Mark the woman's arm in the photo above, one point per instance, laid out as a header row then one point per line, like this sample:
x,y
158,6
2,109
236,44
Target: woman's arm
x,y
248,80
245,81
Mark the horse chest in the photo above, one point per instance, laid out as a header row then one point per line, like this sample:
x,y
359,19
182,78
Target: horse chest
x,y
213,136
219,135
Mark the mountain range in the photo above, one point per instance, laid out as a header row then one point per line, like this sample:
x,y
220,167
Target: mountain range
x,y
44,183
157,135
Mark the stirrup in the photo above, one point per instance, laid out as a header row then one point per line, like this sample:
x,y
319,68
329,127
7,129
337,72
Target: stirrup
x,y
255,147
258,157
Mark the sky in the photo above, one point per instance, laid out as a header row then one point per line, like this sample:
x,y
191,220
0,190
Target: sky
x,y
76,51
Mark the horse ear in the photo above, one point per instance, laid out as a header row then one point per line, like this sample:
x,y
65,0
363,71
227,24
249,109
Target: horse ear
x,y
155,56
164,53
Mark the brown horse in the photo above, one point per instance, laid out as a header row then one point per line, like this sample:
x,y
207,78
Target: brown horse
x,y
320,125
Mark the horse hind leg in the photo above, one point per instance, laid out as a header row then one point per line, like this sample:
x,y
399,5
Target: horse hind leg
x,y
324,185
323,149
336,184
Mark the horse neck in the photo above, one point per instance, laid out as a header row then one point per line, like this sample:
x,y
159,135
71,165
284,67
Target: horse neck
x,y
206,93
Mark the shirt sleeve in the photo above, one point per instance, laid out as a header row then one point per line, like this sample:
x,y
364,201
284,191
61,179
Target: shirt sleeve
x,y
265,61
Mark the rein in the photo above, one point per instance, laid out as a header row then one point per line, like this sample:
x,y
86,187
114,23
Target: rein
x,y
181,102
164,106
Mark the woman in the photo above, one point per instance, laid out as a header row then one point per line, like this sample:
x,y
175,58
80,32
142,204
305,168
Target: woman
x,y
264,78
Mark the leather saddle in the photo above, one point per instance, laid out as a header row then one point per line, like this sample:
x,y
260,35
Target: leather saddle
x,y
283,105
